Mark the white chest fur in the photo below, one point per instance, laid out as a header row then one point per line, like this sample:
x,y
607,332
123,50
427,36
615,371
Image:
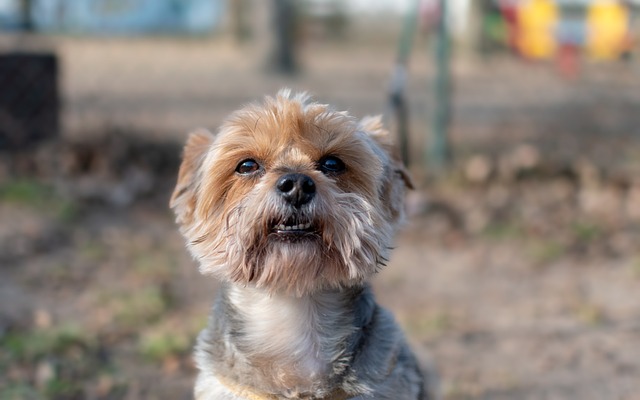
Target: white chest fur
x,y
299,336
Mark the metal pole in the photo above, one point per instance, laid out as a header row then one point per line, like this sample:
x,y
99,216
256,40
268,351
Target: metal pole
x,y
439,151
25,10
397,97
285,24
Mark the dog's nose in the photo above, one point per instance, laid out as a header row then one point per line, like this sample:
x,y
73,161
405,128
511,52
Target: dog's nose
x,y
296,189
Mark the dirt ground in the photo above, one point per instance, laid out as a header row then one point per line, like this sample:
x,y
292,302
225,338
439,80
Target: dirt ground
x,y
517,274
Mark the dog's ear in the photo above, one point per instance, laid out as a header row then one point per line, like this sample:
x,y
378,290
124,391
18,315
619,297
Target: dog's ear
x,y
396,178
373,126
183,199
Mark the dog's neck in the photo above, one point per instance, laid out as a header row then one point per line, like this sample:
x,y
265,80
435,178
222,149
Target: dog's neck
x,y
301,343
306,332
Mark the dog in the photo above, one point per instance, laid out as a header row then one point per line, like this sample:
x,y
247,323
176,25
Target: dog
x,y
293,205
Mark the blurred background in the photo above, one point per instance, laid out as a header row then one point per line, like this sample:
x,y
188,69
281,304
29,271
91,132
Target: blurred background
x,y
518,271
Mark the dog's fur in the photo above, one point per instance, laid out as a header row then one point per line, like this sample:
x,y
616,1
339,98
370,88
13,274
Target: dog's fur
x,y
295,317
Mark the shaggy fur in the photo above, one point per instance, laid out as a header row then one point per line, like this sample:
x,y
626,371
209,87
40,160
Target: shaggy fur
x,y
295,318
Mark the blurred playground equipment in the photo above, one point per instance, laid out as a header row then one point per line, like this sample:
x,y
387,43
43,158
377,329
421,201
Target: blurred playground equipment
x,y
545,29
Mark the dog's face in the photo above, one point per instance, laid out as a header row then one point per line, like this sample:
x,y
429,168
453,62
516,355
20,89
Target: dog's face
x,y
290,196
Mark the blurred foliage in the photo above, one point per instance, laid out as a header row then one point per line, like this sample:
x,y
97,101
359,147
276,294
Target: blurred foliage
x,y
139,307
40,343
25,192
503,230
54,363
40,196
430,324
587,231
546,251
157,346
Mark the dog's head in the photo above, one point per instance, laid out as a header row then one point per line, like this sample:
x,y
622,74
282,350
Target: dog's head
x,y
290,196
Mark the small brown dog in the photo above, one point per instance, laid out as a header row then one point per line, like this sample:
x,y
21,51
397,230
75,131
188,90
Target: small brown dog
x,y
293,206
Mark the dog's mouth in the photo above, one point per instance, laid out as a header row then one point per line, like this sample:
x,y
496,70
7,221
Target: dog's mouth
x,y
293,226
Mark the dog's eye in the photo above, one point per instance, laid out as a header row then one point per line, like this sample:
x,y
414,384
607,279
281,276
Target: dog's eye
x,y
247,167
331,165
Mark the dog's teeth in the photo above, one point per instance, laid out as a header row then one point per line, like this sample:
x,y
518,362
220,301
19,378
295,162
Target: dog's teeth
x,y
298,227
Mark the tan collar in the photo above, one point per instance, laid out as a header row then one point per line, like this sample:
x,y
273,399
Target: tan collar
x,y
250,394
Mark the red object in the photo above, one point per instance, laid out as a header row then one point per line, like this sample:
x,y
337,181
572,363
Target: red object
x,y
509,10
568,61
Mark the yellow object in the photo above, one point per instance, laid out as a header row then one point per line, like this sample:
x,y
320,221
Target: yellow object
x,y
607,26
537,20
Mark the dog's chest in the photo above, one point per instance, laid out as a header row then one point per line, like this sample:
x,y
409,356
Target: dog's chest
x,y
297,337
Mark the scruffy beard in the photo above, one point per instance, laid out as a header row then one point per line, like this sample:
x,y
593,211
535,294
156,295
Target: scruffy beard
x,y
337,243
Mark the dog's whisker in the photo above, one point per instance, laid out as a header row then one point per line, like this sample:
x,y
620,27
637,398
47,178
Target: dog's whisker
x,y
255,126
200,239
322,129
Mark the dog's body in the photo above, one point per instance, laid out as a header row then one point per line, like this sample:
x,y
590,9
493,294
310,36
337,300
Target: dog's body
x,y
332,345
293,206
